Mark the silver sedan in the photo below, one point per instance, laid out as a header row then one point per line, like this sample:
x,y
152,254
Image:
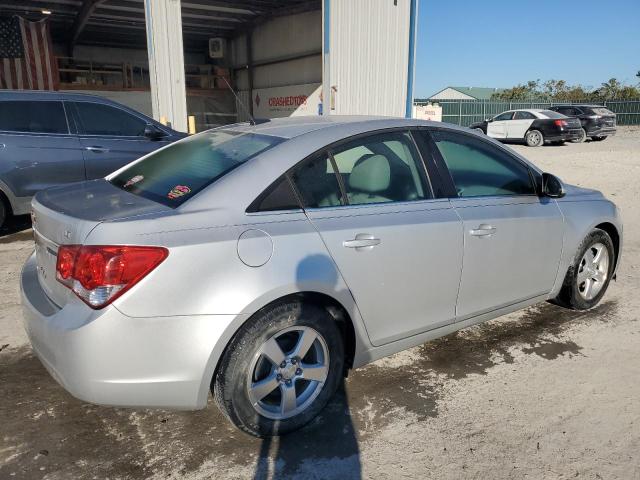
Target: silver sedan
x,y
261,262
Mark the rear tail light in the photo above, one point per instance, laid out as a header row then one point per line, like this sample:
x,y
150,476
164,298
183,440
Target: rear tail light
x,y
99,274
560,123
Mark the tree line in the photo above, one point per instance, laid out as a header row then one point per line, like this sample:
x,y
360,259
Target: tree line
x,y
560,90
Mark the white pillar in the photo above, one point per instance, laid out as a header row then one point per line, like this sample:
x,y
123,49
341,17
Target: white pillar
x,y
166,61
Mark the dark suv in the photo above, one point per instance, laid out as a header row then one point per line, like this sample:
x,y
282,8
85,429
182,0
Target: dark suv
x,y
597,121
51,138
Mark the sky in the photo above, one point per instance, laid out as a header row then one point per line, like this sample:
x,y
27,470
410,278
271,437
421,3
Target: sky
x,y
500,43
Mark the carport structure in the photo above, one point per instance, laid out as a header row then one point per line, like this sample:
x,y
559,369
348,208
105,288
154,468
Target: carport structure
x,y
283,57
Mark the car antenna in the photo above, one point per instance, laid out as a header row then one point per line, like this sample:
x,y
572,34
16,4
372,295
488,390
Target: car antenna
x,y
252,120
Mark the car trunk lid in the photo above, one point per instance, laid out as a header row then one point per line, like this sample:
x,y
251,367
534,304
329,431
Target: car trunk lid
x,y
67,215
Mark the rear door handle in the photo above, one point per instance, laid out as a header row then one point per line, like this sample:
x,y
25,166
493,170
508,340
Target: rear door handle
x,y
363,241
483,230
97,149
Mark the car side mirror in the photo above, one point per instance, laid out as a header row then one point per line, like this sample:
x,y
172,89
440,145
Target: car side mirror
x,y
552,186
152,132
489,120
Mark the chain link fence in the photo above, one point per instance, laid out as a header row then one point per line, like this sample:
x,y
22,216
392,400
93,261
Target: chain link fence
x,y
466,112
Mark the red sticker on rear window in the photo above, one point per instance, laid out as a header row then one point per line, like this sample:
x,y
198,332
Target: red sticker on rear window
x,y
178,191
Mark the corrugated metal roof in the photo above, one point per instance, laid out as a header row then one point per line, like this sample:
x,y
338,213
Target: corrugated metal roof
x,y
121,23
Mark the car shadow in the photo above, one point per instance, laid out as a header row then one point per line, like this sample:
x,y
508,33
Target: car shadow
x,y
328,438
15,224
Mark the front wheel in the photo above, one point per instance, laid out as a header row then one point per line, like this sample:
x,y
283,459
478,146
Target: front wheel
x,y
534,138
588,278
280,369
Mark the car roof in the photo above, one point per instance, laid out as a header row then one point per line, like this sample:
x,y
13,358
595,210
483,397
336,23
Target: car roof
x,y
291,127
51,95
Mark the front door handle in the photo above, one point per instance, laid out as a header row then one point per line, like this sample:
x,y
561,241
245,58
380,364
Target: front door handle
x,y
483,230
97,149
363,241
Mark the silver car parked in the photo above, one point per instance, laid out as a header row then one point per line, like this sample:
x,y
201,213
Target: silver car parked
x,y
261,262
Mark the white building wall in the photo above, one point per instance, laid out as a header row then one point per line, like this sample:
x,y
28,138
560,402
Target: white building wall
x,y
369,46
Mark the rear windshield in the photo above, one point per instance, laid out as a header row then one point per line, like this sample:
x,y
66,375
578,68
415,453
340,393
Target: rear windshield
x,y
601,111
173,175
551,114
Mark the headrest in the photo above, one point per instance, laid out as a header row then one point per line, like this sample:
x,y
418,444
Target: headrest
x,y
371,174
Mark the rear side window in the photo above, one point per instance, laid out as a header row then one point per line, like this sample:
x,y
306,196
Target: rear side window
x,y
97,119
33,117
317,183
481,169
602,111
176,173
279,196
524,116
551,114
381,168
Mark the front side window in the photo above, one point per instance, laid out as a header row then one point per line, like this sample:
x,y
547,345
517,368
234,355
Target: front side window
x,y
504,116
381,168
33,117
481,169
98,119
176,173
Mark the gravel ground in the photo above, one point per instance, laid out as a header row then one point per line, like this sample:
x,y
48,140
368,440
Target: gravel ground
x,y
542,393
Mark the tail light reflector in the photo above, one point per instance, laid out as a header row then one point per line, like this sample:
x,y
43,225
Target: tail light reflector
x,y
98,274
560,123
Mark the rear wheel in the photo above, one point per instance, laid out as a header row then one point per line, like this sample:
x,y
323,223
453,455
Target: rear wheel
x,y
588,278
598,139
534,138
582,137
280,369
4,211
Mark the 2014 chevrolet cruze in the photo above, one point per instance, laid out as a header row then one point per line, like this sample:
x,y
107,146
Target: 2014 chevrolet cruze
x,y
262,261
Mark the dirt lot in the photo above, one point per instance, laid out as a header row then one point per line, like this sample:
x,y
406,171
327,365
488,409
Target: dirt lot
x,y
544,393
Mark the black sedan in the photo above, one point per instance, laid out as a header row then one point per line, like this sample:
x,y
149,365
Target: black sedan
x,y
534,126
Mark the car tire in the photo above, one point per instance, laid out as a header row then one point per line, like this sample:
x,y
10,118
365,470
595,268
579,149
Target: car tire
x,y
598,139
582,138
4,211
582,274
479,130
245,368
534,138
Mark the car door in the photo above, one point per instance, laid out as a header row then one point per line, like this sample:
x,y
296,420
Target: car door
x,y
111,137
512,237
497,128
520,124
37,149
398,249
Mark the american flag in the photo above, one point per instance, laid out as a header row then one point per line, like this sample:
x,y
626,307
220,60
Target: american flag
x,y
26,55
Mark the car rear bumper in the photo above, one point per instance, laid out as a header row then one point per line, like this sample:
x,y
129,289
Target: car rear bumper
x,y
108,358
563,136
601,131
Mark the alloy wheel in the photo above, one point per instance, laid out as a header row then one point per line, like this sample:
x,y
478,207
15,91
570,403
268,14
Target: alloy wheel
x,y
593,271
288,372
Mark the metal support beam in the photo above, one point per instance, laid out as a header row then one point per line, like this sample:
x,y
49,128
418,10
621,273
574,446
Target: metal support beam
x,y
88,6
249,38
166,61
